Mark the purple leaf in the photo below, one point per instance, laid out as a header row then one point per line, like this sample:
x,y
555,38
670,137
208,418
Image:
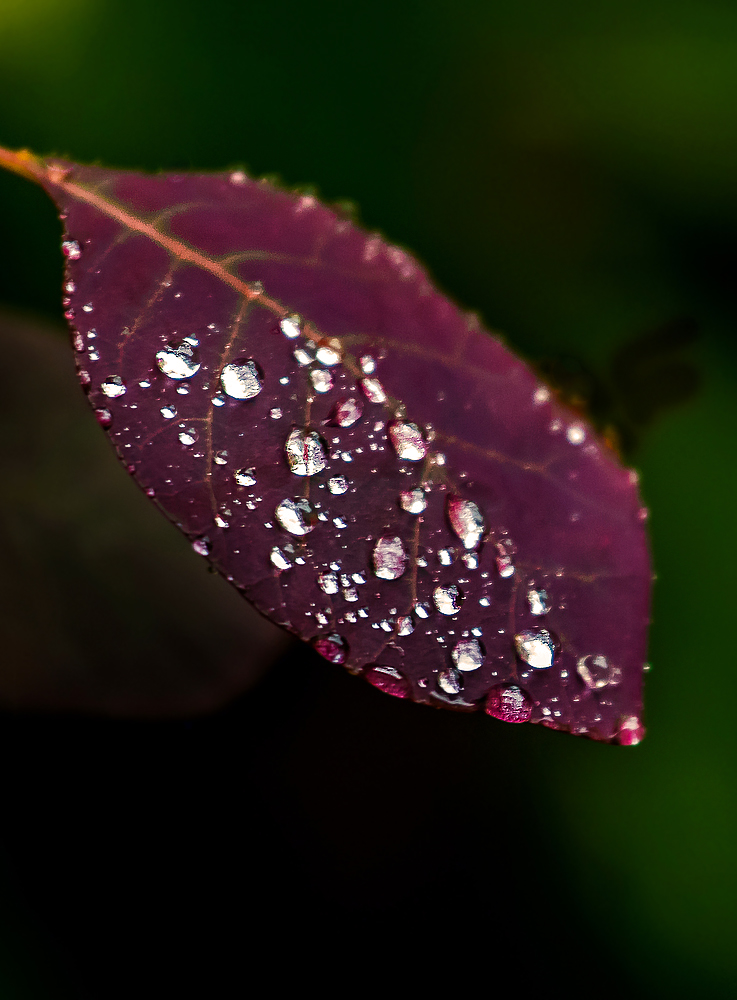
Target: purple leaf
x,y
364,462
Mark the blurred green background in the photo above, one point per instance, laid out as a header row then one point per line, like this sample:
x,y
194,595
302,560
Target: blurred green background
x,y
567,169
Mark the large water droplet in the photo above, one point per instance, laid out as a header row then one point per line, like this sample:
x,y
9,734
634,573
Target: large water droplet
x,y
538,601
450,681
245,477
373,390
389,558
468,655
322,381
298,517
114,387
291,326
597,672
509,703
328,356
333,647
466,520
241,379
536,647
346,412
407,441
447,600
388,680
413,501
178,361
305,452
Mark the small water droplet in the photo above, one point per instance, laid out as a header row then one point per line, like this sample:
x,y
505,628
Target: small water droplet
x,y
405,625
373,390
536,647
221,458
218,400
144,383
448,599
484,602
304,355
631,731
201,546
328,356
169,412
275,413
245,477
298,517
220,521
241,379
413,501
346,412
279,559
450,681
468,655
114,387
238,178
505,549
322,381
597,672
576,434
541,395
78,341
337,485
328,583
538,601
104,417
509,703
466,521
470,560
332,647
178,361
407,441
291,326
305,452
88,307
368,364
388,680
188,436
446,557
340,522
389,558
350,594
422,610
71,249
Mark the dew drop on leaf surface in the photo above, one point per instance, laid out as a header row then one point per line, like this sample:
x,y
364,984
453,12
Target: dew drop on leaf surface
x,y
305,346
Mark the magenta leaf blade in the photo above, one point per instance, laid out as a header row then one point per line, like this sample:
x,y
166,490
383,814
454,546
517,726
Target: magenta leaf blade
x,y
368,466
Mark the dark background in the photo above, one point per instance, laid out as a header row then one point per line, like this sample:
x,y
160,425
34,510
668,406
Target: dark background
x,y
187,797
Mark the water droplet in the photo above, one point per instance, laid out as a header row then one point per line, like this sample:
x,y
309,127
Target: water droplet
x,y
468,654
220,521
536,647
470,560
291,326
485,602
304,355
238,177
346,412
505,549
113,387
407,441
305,452
450,681
447,600
169,412
340,522
597,672
188,436
218,400
78,341
241,379
332,647
245,477
422,610
576,434
389,558
405,625
350,594
279,559
337,485
201,546
388,680
328,356
328,583
88,307
104,417
373,390
466,521
509,703
178,361
541,395
71,249
221,458
298,517
538,601
413,501
183,390
322,381
446,557
275,413
631,731
368,364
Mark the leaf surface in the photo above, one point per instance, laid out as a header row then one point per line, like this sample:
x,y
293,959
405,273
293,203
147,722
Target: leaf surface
x,y
368,466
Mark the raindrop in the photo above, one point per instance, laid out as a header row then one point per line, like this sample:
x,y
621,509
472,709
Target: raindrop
x,y
88,307
597,672
304,355
470,560
169,412
328,583
631,731
241,379
178,360
368,364
450,681
536,647
291,326
466,520
327,356
340,522
576,434
104,417
201,546
468,654
350,594
373,390
389,558
113,387
188,436
71,249
305,452
448,599
275,413
298,517
413,501
245,477
218,400
405,626
388,680
407,441
333,647
538,601
337,485
446,557
322,381
509,703
346,412
422,610
279,559
221,458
